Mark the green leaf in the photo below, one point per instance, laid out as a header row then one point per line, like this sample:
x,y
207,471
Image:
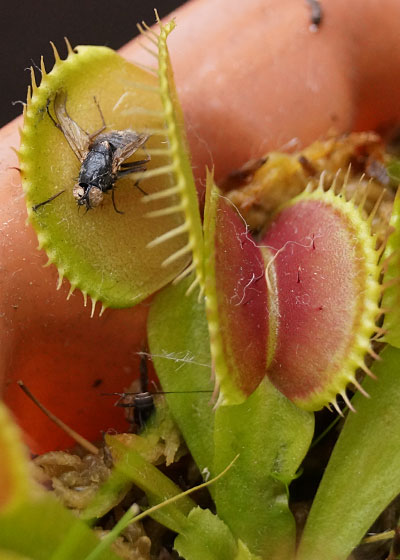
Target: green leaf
x,y
391,296
32,523
43,529
244,553
109,495
179,345
160,440
15,481
362,476
393,170
7,555
205,537
272,436
153,482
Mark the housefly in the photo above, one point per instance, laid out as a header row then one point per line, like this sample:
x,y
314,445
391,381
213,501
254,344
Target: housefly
x,y
102,156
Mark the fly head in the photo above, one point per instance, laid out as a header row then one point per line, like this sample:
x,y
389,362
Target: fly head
x,y
88,195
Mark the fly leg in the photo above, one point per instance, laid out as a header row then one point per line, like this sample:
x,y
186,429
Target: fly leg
x,y
113,201
97,132
133,167
35,208
56,124
128,169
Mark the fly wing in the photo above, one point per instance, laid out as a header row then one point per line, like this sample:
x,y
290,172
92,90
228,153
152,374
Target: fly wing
x,y
129,142
77,138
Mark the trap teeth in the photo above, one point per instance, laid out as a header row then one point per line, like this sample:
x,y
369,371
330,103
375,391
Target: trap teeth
x,y
57,58
69,48
94,301
71,291
33,80
60,278
103,308
42,67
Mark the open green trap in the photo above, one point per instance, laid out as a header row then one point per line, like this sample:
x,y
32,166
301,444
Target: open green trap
x,y
117,259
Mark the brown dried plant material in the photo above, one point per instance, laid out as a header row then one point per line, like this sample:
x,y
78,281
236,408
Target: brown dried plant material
x,y
283,176
74,479
133,544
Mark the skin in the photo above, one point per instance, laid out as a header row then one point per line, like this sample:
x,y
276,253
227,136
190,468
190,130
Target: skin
x,y
250,77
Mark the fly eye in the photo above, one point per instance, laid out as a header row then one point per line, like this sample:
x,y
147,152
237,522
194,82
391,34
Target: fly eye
x,y
78,192
95,197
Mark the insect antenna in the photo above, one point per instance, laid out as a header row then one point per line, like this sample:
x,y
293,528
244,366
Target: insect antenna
x,y
97,132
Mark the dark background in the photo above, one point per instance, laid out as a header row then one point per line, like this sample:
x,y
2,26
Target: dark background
x,y
27,27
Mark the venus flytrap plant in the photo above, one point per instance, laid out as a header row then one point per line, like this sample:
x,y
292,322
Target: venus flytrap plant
x,y
348,249
270,433
284,327
178,175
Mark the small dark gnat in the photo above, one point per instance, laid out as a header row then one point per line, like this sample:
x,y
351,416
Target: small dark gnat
x,y
142,403
102,156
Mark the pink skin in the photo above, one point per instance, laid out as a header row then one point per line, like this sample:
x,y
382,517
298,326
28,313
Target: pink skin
x,y
250,76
